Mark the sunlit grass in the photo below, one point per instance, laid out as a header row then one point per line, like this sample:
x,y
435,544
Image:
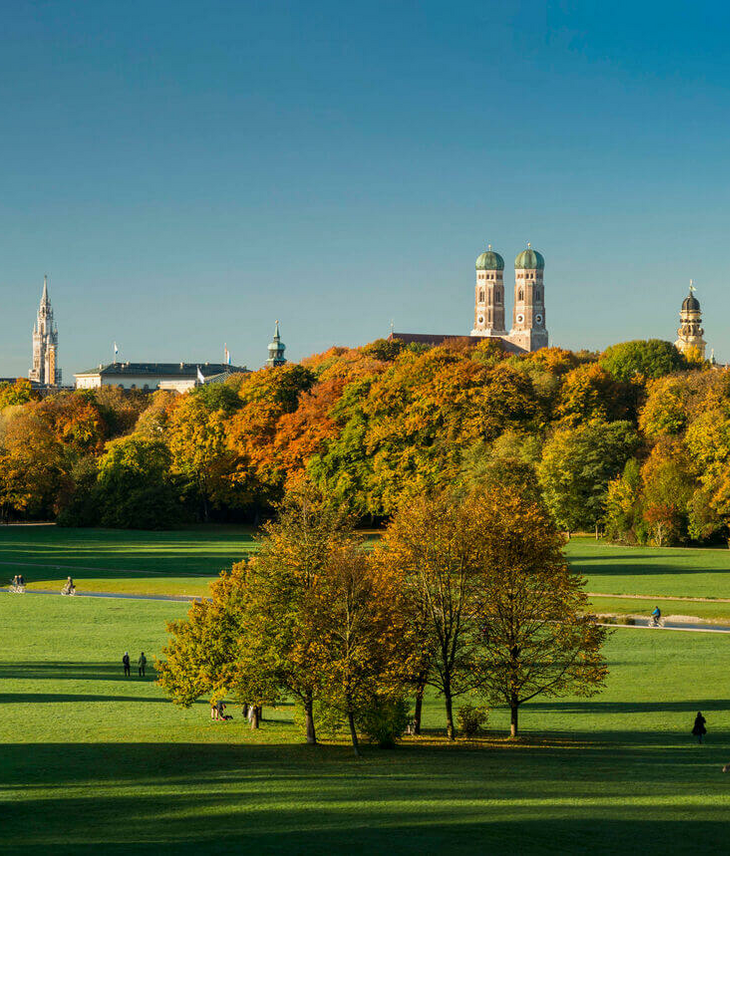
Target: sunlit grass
x,y
93,763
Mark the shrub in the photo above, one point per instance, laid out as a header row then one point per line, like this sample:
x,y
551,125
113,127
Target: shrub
x,y
472,720
384,722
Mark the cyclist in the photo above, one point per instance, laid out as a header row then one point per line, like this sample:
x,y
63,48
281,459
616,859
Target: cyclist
x,y
70,587
656,616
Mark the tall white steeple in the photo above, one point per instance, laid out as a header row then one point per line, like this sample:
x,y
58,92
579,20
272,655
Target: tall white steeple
x,y
45,369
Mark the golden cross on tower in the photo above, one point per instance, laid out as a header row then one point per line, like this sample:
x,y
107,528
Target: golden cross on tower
x,y
691,287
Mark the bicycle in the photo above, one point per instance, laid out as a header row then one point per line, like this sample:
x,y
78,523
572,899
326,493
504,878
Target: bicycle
x,y
656,622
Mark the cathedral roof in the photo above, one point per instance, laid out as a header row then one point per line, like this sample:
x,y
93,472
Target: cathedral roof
x,y
490,260
529,260
691,303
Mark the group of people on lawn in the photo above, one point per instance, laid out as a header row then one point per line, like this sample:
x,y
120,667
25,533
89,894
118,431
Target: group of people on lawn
x,y
141,665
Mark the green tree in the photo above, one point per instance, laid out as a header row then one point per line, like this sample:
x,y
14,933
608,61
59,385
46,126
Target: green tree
x,y
642,360
134,488
577,466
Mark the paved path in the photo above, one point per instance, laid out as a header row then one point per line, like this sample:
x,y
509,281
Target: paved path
x,y
175,598
640,624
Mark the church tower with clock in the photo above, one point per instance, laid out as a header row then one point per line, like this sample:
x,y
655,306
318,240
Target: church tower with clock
x,y
489,295
529,331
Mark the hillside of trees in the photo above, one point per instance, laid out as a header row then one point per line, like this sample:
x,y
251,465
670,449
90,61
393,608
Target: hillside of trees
x,y
633,442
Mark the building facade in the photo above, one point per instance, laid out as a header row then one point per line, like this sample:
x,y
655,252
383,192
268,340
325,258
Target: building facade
x,y
690,335
45,371
155,377
529,327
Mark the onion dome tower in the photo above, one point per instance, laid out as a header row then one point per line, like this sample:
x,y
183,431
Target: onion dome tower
x,y
691,336
276,350
529,329
489,295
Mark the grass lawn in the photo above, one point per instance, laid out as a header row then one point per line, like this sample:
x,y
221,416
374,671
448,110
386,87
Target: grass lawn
x,y
648,571
182,562
93,763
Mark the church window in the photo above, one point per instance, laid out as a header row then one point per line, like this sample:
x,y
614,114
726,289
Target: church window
x,y
498,296
521,296
481,295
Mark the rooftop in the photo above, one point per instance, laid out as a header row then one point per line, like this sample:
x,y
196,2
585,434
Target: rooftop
x,y
182,369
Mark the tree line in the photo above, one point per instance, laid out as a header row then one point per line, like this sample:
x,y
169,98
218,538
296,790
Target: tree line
x,y
634,441
460,594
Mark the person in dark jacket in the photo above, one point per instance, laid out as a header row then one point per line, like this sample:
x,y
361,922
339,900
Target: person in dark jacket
x,y
126,664
699,729
142,665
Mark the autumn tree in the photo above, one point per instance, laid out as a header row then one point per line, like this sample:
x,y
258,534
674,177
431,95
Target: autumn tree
x,y
18,392
200,453
360,635
432,543
203,651
623,516
533,637
31,462
668,487
281,645
590,392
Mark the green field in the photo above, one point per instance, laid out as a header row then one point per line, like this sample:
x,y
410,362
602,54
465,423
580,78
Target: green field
x,y
93,763
181,562
649,571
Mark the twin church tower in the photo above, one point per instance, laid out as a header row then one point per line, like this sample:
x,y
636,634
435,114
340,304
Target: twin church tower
x,y
529,330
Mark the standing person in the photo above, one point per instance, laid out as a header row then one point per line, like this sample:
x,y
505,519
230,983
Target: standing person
x,y
699,727
127,665
142,665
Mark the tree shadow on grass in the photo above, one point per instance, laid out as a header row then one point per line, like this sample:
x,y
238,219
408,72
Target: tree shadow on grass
x,y
633,707
286,799
77,697
110,671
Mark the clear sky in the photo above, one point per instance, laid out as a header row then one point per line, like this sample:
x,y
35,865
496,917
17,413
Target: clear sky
x,y
186,173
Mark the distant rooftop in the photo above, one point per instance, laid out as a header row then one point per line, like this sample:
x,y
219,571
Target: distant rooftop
x,y
182,369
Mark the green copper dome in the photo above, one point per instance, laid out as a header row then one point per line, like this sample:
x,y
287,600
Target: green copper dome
x,y
529,259
490,260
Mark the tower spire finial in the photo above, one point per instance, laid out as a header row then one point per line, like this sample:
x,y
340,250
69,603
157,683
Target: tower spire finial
x,y
691,287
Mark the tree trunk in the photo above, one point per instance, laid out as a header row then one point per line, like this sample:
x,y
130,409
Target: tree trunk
x,y
244,710
514,708
255,718
353,731
450,732
261,713
309,722
418,708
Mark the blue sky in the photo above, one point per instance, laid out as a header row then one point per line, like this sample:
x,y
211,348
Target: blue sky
x,y
187,173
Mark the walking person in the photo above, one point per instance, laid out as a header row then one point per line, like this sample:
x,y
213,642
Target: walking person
x,y
142,665
127,665
699,727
